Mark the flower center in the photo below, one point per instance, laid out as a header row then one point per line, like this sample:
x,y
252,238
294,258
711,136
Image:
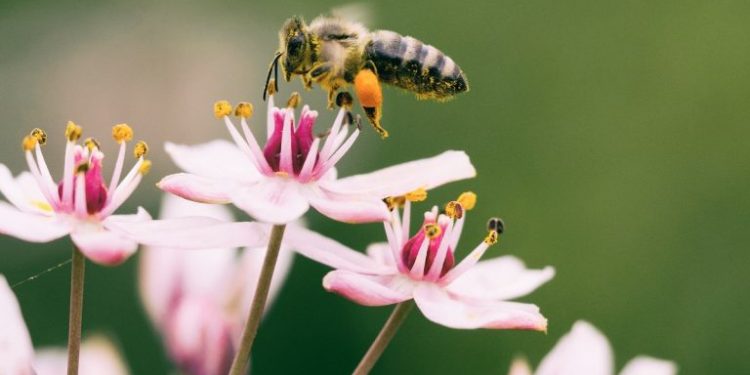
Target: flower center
x,y
96,190
301,140
433,233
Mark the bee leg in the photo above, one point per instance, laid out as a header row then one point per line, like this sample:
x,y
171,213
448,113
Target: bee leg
x,y
332,97
306,81
370,94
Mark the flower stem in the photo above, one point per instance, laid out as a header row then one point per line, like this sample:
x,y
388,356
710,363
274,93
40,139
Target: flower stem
x,y
385,336
78,266
239,364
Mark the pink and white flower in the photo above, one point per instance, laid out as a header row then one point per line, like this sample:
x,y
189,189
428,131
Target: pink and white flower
x,y
81,203
198,299
585,350
17,356
466,295
295,170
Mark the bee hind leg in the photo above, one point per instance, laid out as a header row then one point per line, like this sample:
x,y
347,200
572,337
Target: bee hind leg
x,y
370,96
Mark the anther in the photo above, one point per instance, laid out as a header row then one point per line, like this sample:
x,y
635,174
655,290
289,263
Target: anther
x,y
394,202
83,168
271,88
468,200
358,121
145,167
244,110
454,210
140,150
91,144
294,100
344,99
29,143
72,131
40,135
432,230
122,133
491,238
417,195
222,108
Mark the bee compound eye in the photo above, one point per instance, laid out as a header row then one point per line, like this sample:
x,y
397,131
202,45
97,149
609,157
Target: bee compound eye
x,y
295,43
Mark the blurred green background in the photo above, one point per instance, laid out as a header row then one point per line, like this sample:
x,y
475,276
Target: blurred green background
x,y
612,136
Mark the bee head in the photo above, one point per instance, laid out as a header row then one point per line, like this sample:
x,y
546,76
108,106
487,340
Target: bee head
x,y
296,46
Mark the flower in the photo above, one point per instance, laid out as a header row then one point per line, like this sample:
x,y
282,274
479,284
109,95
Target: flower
x,y
198,299
585,350
295,170
17,357
467,295
81,204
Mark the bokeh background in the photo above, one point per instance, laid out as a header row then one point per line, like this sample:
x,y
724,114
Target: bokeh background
x,y
612,136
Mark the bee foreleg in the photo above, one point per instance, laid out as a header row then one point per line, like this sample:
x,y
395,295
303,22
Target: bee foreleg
x,y
370,95
306,81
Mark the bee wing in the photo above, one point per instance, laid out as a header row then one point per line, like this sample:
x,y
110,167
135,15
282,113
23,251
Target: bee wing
x,y
356,12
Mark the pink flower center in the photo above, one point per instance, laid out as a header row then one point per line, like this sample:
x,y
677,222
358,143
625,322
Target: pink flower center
x,y
96,190
302,139
410,251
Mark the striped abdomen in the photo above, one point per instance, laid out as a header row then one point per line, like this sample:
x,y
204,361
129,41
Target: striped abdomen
x,y
410,64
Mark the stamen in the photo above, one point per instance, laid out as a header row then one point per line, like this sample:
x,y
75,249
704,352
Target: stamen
x,y
406,222
442,252
145,167
491,238
468,200
73,132
417,195
40,136
271,105
417,270
140,150
432,231
312,156
80,191
222,108
454,210
294,100
271,88
122,133
29,143
338,154
83,168
394,202
344,100
254,152
92,144
244,110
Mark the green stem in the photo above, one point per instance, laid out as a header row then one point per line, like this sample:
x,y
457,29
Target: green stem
x,y
239,364
385,336
78,266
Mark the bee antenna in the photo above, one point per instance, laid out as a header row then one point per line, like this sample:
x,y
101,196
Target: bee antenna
x,y
274,67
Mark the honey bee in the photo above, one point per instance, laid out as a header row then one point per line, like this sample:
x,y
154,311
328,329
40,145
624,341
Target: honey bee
x,y
335,52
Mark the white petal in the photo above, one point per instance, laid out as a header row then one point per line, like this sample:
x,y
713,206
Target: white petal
x,y
218,159
584,350
381,253
98,356
369,290
29,226
22,191
520,366
103,246
275,200
16,352
502,278
643,365
349,209
197,188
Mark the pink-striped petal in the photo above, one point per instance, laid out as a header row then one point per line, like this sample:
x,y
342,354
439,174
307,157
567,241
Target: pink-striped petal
x,y
349,209
333,254
402,178
30,227
16,352
104,246
381,253
451,311
275,200
369,290
196,188
643,365
502,278
218,159
584,350
22,191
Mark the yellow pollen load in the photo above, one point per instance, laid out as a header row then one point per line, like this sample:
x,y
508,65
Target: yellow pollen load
x,y
140,149
91,144
122,133
40,135
222,108
145,167
29,143
432,230
468,200
72,131
294,100
417,195
454,210
244,110
491,238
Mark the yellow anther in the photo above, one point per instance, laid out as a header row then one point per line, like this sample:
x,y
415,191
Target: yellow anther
x,y
432,230
394,202
244,109
29,143
294,100
491,238
468,200
145,167
222,108
40,135
417,195
271,89
91,144
122,133
454,210
140,150
72,131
